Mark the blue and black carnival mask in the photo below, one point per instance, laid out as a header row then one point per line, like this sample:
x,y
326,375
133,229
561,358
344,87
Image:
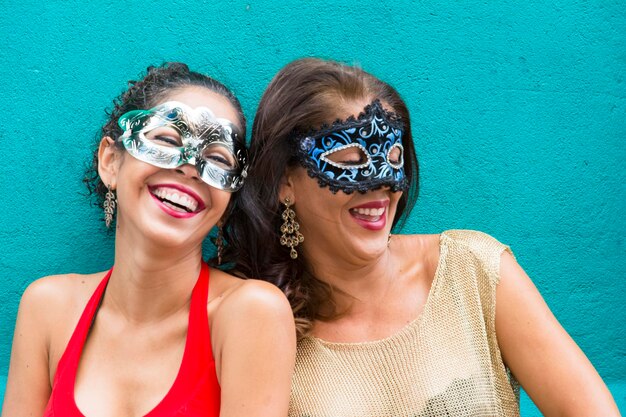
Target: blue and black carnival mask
x,y
377,133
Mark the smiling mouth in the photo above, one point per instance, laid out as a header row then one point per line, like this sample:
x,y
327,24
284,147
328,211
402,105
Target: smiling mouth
x,y
368,214
175,199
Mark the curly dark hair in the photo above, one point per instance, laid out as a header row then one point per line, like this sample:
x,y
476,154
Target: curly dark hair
x,y
304,95
150,90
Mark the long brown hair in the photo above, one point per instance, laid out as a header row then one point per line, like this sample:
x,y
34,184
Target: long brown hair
x,y
304,95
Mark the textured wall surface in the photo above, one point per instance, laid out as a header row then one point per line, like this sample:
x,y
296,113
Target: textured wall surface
x,y
519,114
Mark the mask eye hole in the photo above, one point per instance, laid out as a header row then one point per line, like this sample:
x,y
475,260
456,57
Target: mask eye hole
x,y
395,156
347,157
164,136
219,156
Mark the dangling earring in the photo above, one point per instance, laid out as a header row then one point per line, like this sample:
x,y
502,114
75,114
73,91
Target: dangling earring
x,y
219,242
290,229
109,206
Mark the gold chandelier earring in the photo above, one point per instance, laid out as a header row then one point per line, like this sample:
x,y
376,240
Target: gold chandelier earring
x,y
290,230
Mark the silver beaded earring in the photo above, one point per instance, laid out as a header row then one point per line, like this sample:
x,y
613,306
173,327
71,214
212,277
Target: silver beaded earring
x,y
109,206
219,243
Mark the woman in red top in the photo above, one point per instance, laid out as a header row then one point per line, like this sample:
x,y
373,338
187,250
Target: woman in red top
x,y
135,340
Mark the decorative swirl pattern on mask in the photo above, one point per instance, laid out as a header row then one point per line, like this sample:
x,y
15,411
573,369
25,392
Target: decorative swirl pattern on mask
x,y
376,132
198,130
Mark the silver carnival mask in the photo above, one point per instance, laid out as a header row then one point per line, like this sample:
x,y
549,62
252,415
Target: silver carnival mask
x,y
173,134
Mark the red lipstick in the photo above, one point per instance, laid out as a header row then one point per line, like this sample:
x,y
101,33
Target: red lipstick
x,y
369,221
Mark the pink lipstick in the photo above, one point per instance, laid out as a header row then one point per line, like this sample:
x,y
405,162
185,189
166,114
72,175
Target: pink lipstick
x,y
177,200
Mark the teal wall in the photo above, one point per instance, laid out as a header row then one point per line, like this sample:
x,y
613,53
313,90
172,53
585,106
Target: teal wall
x,y
519,114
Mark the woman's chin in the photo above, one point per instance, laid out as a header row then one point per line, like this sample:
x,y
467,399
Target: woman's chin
x,y
366,249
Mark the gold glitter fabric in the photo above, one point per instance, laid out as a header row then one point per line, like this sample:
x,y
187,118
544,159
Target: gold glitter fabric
x,y
444,363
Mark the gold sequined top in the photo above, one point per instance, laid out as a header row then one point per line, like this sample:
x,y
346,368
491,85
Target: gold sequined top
x,y
444,363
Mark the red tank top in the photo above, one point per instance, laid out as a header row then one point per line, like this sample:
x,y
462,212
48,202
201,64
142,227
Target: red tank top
x,y
195,391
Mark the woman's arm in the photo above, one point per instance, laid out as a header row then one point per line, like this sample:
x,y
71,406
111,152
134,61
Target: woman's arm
x,y
28,384
551,368
257,345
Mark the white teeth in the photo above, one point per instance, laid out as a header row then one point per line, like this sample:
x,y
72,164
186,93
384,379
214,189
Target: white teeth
x,y
176,197
370,212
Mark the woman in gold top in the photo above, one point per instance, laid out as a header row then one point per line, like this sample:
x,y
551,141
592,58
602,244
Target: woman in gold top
x,y
389,325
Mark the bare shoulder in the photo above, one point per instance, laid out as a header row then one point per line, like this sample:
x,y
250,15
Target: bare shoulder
x,y
418,249
60,293
248,312
54,303
419,242
237,296
49,310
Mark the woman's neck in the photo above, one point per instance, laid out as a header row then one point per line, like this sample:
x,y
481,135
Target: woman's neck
x,y
149,282
382,296
355,284
362,286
